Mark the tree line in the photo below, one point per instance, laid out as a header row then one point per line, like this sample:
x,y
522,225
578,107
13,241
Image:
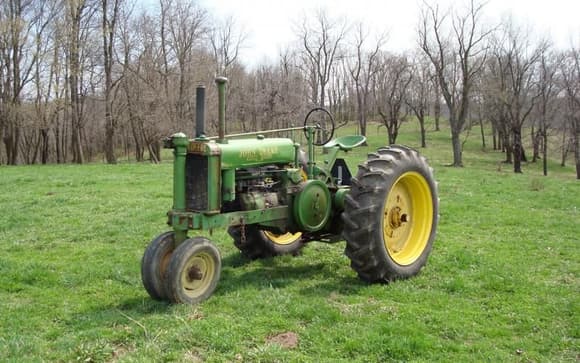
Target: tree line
x,y
84,80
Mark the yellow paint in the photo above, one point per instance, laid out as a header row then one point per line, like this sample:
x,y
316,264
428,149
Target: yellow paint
x,y
407,218
196,285
196,147
263,153
283,239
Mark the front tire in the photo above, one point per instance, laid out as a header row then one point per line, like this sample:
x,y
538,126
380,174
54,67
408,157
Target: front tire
x,y
193,272
154,264
391,215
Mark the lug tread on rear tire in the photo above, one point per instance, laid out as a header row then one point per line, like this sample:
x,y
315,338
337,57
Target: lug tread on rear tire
x,y
363,215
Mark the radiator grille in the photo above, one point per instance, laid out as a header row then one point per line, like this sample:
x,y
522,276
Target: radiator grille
x,y
196,182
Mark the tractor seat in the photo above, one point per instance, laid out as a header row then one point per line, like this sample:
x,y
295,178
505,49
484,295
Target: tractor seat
x,y
346,143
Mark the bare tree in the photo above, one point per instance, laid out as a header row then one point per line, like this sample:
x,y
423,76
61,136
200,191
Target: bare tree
x,y
458,54
18,58
392,82
419,93
571,78
47,82
362,71
321,42
548,90
321,39
186,23
110,16
78,16
517,59
226,40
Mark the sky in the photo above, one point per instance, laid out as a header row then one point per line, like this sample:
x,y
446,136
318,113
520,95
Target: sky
x,y
270,24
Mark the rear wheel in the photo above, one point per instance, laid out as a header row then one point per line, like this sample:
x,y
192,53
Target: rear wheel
x,y
391,215
262,244
193,272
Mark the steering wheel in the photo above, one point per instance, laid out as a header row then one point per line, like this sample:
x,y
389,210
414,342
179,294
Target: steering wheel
x,y
323,130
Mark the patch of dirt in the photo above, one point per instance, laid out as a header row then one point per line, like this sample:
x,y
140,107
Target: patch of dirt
x,y
286,340
193,357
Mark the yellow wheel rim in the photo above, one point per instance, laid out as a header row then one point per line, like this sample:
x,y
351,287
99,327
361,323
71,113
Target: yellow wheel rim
x,y
286,238
283,239
408,218
198,274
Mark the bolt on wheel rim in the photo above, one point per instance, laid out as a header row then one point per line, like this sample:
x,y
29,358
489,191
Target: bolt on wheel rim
x,y
407,218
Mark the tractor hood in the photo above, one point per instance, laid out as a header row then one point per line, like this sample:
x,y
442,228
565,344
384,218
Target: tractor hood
x,y
247,152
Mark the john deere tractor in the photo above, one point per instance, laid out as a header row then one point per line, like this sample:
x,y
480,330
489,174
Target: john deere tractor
x,y
273,198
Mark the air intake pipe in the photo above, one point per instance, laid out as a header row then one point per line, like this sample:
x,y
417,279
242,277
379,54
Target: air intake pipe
x,y
221,84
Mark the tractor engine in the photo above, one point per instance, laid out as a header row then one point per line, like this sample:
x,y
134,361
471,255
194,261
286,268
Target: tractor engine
x,y
242,175
260,187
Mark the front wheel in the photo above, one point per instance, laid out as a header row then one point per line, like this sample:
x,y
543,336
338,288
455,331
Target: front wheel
x,y
391,215
154,264
193,272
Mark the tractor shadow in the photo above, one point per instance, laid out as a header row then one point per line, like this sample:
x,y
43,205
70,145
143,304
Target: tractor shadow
x,y
299,274
284,272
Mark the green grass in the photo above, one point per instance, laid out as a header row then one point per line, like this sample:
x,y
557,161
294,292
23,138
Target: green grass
x,y
501,285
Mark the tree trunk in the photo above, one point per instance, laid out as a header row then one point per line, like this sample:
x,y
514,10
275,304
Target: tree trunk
x,y
536,143
518,150
577,147
44,152
110,140
482,133
456,144
437,108
564,148
421,119
545,151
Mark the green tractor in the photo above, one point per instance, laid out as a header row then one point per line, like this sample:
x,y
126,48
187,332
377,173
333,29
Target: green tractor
x,y
273,198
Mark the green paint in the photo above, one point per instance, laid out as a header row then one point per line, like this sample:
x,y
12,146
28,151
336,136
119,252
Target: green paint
x,y
229,185
338,199
201,221
346,143
256,152
179,142
311,206
214,182
311,162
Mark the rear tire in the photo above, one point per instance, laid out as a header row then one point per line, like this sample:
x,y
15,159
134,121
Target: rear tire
x,y
391,215
262,244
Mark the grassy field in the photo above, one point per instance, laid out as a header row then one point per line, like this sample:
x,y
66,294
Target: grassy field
x,y
502,283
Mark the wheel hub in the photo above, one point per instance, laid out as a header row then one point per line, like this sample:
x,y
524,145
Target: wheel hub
x,y
396,218
194,273
198,274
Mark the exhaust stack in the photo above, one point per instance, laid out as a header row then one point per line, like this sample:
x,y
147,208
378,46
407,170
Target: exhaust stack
x,y
200,111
